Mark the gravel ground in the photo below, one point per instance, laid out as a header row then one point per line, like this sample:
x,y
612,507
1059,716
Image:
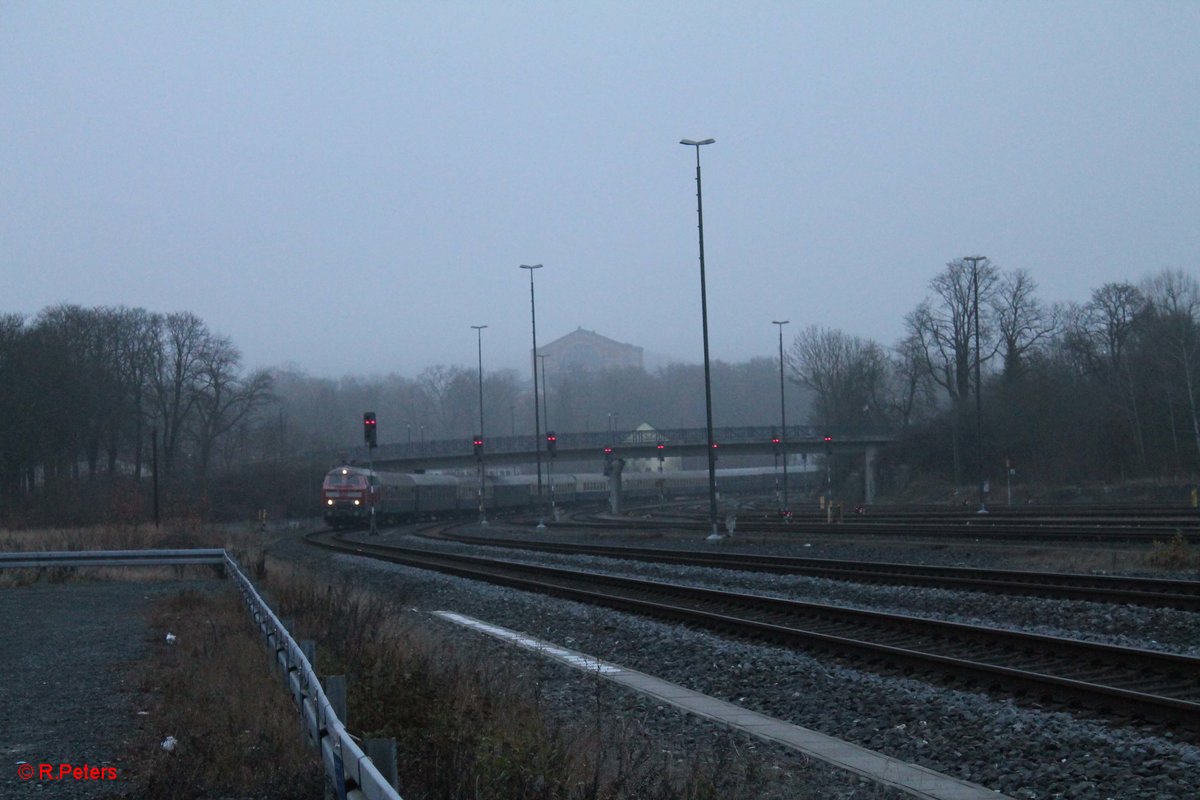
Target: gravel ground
x,y
1022,751
64,659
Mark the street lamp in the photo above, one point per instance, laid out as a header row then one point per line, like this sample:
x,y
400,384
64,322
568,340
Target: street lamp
x,y
978,384
712,461
782,415
479,336
537,423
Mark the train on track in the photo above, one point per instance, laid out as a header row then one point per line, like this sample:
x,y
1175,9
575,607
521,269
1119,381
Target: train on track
x,y
350,494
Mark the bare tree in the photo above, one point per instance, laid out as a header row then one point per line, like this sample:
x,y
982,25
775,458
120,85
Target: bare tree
x,y
1022,322
183,341
915,388
849,375
223,398
1104,335
942,329
1173,303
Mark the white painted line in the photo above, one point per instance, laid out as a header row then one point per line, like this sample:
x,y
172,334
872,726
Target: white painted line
x,y
913,779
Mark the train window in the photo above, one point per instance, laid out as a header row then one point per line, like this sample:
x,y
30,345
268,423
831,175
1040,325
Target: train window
x,y
347,480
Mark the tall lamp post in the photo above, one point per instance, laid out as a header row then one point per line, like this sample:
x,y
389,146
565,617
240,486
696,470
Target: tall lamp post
x,y
537,412
712,459
782,416
479,336
978,384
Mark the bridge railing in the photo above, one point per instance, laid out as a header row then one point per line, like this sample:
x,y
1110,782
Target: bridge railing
x,y
796,435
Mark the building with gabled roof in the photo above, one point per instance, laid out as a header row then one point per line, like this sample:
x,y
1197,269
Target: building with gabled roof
x,y
584,349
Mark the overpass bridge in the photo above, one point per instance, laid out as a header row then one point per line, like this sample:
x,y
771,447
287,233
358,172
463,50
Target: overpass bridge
x,y
595,447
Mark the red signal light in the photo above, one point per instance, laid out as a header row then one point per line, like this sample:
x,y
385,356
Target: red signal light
x,y
369,428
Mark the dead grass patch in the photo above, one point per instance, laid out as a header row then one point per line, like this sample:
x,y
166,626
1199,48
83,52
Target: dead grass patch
x,y
1173,554
216,692
246,546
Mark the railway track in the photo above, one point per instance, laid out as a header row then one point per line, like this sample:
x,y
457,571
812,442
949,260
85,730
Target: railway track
x,y
1142,685
1153,592
974,528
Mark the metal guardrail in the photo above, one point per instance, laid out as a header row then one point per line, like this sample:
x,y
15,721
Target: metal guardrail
x,y
353,775
114,558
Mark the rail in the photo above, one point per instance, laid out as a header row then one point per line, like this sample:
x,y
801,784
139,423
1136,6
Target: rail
x,y
353,775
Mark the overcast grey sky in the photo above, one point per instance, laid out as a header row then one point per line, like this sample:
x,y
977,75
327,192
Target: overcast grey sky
x,y
349,187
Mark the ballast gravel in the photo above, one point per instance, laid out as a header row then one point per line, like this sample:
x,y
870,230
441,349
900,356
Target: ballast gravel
x,y
1017,749
64,657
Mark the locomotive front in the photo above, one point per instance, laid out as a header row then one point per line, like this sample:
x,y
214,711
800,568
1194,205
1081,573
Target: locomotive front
x,y
346,497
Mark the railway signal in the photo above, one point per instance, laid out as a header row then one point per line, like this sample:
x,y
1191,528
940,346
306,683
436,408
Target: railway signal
x,y
369,428
477,443
551,446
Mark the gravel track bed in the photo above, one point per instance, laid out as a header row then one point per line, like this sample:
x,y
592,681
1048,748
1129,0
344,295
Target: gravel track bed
x,y
1163,629
66,650
1021,751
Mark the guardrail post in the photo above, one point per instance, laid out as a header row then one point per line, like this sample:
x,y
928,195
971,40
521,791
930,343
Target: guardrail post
x,y
382,753
335,690
309,648
312,736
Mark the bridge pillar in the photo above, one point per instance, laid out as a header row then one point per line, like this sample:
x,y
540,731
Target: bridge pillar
x,y
869,473
614,485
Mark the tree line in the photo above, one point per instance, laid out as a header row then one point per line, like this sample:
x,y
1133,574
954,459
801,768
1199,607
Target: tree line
x,y
84,389
88,392
1104,389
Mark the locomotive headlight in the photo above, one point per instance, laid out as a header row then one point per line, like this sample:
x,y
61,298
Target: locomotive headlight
x,y
330,502
356,502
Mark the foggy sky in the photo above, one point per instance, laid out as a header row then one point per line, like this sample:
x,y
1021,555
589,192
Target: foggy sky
x,y
349,187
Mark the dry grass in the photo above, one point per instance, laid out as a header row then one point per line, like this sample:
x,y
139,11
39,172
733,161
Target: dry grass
x,y
215,691
244,545
1175,554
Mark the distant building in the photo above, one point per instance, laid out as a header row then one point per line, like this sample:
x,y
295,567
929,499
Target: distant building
x,y
589,350
646,434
